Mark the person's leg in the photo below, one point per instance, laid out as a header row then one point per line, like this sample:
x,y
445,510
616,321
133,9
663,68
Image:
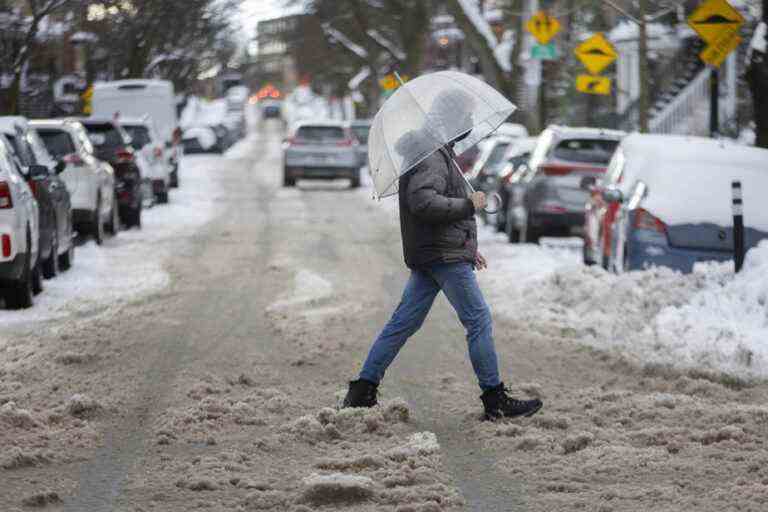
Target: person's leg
x,y
418,296
458,282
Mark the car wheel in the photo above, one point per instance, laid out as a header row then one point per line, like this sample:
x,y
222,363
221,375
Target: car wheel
x,y
97,226
175,179
513,235
113,226
162,197
20,294
288,182
530,235
37,280
51,264
355,182
67,259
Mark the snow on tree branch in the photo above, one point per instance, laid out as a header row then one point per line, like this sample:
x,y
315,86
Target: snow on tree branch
x,y
345,41
386,44
484,28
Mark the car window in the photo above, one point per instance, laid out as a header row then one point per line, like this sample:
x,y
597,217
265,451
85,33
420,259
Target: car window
x,y
58,142
496,157
320,133
140,136
6,159
104,135
38,147
361,133
590,151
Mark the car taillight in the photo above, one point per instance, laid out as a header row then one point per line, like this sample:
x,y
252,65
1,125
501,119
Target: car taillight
x,y
73,159
124,156
345,142
32,186
550,207
293,141
158,152
646,221
562,170
6,201
6,242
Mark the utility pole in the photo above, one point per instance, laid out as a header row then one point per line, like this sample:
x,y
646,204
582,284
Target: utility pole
x,y
643,68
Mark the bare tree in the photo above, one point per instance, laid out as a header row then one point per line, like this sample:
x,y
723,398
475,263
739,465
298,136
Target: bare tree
x,y
757,77
18,55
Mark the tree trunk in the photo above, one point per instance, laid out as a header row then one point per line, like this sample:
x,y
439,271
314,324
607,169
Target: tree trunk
x,y
488,63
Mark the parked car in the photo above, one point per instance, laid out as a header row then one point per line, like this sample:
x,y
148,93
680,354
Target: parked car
x,y
90,181
137,99
553,201
57,244
20,276
320,150
113,144
507,181
674,197
270,109
360,129
146,140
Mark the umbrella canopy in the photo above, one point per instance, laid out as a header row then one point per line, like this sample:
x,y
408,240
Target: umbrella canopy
x,y
424,115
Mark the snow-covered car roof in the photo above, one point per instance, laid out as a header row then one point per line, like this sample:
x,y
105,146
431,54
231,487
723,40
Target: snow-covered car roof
x,y
55,123
689,178
8,124
586,131
512,130
520,146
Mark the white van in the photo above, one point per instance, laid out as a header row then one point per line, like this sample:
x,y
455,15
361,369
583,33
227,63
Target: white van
x,y
138,99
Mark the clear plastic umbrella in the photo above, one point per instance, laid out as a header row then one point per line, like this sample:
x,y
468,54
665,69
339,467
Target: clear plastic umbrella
x,y
424,115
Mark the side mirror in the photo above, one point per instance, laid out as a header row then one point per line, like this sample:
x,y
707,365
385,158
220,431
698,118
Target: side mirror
x,y
60,166
613,195
587,182
38,172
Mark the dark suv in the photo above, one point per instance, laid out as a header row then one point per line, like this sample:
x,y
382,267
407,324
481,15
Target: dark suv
x,y
113,145
554,201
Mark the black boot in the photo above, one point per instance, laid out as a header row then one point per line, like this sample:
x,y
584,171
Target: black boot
x,y
362,393
498,404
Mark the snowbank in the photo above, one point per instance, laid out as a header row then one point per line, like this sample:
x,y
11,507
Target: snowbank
x,y
97,280
710,319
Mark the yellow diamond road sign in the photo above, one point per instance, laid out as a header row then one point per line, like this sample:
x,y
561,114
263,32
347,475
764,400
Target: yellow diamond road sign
x,y
596,53
543,27
591,84
715,20
715,53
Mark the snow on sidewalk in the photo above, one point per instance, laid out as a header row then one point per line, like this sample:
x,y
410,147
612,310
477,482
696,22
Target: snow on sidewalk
x,y
131,264
710,319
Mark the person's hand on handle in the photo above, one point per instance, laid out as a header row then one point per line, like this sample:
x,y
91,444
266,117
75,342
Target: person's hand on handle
x,y
480,261
479,200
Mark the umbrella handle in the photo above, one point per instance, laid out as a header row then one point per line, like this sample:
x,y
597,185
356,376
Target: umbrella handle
x,y
472,189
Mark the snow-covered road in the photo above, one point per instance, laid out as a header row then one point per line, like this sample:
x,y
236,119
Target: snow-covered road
x,y
218,392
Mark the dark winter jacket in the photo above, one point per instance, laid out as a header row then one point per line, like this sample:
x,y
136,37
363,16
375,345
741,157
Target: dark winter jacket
x,y
436,215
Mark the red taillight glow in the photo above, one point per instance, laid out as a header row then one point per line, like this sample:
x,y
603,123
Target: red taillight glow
x,y
6,201
562,170
644,220
33,187
73,159
6,242
124,156
345,142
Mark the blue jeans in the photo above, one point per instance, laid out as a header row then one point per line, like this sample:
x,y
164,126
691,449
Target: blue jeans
x,y
458,282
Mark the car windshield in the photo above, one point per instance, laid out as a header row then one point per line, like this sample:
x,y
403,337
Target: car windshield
x,y
320,133
139,135
58,142
361,133
496,158
589,151
104,135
